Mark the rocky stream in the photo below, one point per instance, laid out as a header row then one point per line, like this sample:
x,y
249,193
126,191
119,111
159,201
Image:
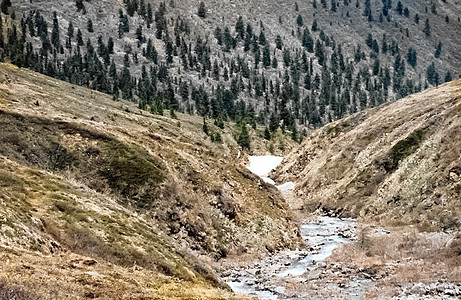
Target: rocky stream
x,y
276,276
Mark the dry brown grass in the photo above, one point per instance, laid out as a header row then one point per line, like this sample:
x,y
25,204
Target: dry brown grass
x,y
71,276
389,165
176,196
401,257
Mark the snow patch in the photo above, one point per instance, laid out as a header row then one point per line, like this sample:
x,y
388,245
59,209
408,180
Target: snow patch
x,y
263,165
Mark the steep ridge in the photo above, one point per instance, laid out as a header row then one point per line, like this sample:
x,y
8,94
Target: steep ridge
x,y
396,164
93,191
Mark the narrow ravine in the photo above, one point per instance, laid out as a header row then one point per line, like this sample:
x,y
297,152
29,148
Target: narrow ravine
x,y
269,278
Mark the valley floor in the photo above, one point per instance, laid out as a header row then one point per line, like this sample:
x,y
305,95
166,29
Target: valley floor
x,y
348,260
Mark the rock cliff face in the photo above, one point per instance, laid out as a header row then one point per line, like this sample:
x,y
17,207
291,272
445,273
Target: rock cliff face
x,y
396,164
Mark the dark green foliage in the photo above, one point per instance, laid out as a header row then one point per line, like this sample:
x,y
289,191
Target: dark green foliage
x,y
367,11
438,50
244,138
402,149
432,75
80,6
55,32
314,25
205,127
399,8
89,26
4,5
411,57
427,28
297,92
299,20
406,12
267,134
201,12
448,77
128,169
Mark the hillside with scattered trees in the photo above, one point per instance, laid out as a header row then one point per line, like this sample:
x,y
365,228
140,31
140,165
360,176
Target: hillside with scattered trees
x,y
292,64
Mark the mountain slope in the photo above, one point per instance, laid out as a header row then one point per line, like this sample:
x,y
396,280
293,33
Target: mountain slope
x,y
301,62
396,164
86,178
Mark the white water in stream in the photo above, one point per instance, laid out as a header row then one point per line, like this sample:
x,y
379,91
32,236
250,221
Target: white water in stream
x,y
264,279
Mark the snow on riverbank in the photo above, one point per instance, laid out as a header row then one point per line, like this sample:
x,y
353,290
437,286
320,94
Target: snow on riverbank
x,y
266,279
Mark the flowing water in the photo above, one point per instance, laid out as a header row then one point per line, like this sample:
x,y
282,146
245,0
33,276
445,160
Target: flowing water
x,y
267,278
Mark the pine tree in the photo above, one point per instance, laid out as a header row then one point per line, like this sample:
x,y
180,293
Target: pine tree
x,y
299,21
432,75
278,42
201,10
55,32
79,38
89,25
411,57
448,77
438,50
240,28
399,8
266,56
110,46
5,4
244,138
267,134
80,6
367,11
427,28
149,18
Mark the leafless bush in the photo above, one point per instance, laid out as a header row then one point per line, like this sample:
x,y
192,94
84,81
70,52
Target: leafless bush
x,y
8,292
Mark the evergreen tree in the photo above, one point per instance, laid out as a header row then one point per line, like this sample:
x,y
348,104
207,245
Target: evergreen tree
x,y
201,10
448,77
278,42
149,17
427,28
367,11
5,4
79,38
110,46
438,50
240,28
80,6
299,21
314,25
89,25
266,56
55,32
244,138
399,8
432,75
267,134
411,57
333,5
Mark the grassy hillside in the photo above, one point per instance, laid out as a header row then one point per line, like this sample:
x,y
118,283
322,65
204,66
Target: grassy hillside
x,y
94,191
397,164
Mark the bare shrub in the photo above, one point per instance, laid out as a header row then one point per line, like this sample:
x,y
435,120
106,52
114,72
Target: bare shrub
x,y
8,292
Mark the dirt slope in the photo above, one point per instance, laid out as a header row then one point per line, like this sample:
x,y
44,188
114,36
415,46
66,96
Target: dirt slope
x,y
93,191
396,164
